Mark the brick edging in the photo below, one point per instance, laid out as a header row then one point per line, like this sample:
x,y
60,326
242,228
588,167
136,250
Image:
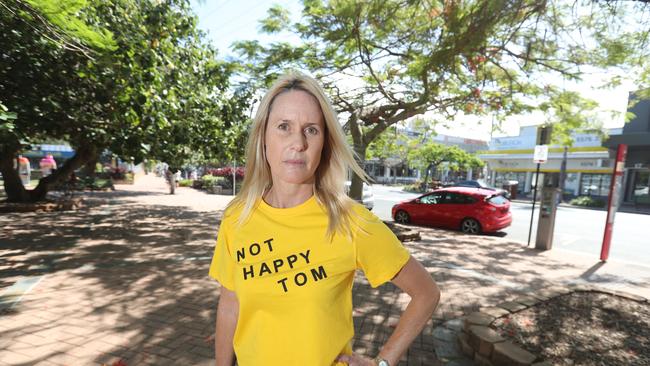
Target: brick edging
x,y
479,341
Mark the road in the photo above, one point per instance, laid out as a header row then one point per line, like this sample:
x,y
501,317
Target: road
x,y
576,229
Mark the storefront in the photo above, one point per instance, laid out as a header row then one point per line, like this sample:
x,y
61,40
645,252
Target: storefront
x,y
58,154
588,164
394,170
636,135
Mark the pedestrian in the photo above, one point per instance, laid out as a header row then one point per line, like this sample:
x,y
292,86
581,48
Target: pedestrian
x,y
290,242
170,178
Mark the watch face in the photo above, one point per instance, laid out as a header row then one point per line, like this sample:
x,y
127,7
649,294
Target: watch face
x,y
383,363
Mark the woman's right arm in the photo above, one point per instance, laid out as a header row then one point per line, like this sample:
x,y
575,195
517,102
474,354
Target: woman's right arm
x,y
227,313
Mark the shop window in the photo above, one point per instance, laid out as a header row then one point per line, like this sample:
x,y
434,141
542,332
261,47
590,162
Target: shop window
x,y
595,184
502,178
641,193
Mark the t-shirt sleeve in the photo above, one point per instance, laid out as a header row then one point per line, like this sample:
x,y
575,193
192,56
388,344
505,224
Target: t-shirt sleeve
x,y
378,251
222,267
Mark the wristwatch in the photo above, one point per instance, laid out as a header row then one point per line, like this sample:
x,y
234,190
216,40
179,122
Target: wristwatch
x,y
381,362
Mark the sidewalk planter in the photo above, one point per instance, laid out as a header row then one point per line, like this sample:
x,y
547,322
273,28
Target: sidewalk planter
x,y
479,339
215,190
197,184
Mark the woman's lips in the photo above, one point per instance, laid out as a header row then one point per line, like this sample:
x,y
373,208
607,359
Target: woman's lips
x,y
295,162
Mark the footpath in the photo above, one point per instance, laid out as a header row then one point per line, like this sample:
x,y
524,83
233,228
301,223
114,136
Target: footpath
x,y
123,281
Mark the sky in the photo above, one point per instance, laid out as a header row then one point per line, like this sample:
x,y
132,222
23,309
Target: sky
x,y
228,21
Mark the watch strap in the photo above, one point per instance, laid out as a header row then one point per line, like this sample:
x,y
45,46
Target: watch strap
x,y
381,362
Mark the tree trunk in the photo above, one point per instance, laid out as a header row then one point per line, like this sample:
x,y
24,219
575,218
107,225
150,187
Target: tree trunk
x,y
81,157
91,165
359,146
14,188
356,186
426,177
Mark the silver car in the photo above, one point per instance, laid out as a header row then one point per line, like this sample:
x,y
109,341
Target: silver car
x,y
368,199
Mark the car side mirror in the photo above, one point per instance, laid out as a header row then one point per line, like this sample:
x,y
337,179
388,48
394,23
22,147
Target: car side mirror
x,y
417,200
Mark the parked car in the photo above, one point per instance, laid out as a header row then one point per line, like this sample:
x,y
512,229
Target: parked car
x,y
480,184
471,210
368,198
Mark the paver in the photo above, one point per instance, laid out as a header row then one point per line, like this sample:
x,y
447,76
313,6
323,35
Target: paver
x,y
509,354
125,278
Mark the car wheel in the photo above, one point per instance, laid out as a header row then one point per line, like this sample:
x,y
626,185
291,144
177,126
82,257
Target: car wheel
x,y
470,226
402,217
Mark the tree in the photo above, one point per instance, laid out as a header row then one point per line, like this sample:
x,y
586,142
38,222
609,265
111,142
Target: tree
x,y
383,62
429,156
132,76
391,147
38,80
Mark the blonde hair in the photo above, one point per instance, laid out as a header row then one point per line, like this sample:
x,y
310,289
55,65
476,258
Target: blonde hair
x,y
336,158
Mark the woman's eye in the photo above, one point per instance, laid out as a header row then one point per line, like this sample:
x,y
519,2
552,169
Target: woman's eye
x,y
312,130
283,126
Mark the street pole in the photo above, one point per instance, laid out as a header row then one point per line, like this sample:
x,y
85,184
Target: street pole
x,y
562,175
613,200
532,213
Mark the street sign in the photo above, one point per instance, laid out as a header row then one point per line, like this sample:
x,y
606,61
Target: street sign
x,y
541,154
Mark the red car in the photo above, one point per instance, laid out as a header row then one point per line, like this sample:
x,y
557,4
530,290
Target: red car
x,y
472,210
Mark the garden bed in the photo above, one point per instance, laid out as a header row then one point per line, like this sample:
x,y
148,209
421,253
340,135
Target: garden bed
x,y
561,326
583,328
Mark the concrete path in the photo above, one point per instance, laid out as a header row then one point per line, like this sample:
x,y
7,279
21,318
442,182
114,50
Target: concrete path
x,y
126,279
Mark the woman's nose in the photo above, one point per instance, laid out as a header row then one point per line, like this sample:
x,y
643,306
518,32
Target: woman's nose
x,y
298,141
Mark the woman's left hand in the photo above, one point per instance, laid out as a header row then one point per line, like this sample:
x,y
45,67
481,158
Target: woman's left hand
x,y
356,360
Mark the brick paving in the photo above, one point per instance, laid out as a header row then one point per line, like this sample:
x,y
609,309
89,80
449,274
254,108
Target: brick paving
x,y
125,278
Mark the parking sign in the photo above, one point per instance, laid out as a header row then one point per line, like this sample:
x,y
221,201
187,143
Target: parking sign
x,y
541,154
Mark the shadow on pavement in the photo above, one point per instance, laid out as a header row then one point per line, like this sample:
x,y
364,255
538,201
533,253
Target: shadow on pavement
x,y
138,271
128,280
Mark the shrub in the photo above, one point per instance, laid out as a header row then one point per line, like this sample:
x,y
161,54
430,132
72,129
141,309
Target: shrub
x,y
117,173
418,187
227,172
225,182
208,181
95,183
587,201
185,183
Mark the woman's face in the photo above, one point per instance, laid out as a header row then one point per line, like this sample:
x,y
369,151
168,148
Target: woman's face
x,y
295,133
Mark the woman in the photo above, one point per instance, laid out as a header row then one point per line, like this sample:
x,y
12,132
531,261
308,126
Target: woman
x,y
290,242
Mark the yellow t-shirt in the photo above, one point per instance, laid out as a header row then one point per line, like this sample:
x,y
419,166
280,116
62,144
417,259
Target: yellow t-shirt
x,y
294,286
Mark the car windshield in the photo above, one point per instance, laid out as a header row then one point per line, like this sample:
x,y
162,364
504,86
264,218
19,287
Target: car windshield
x,y
482,183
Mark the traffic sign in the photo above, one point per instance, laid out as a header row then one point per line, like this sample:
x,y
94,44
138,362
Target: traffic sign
x,y
541,154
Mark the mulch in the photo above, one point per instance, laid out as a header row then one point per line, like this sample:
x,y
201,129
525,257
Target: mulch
x,y
583,328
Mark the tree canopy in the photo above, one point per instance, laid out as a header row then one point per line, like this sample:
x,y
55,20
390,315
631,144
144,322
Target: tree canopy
x,y
136,77
432,155
385,61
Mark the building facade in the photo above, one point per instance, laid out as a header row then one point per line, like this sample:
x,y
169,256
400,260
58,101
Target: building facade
x,y
393,170
588,163
636,135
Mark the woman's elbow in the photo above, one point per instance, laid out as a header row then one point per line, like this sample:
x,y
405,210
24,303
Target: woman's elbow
x,y
430,296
